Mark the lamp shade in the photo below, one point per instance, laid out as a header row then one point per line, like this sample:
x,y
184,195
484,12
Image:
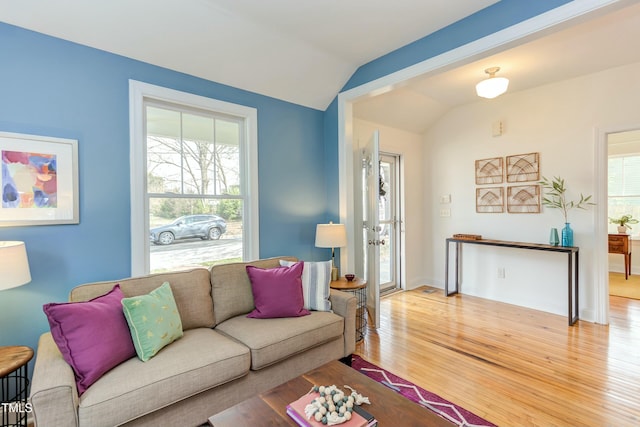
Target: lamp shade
x,y
492,87
331,235
14,265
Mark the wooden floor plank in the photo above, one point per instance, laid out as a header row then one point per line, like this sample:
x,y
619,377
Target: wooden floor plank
x,y
512,365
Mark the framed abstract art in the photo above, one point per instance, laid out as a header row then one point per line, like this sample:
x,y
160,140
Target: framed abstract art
x,y
39,183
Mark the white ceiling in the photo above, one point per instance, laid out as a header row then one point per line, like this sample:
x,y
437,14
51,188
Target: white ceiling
x,y
302,51
598,44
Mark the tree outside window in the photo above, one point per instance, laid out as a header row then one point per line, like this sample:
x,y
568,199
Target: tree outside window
x,y
193,168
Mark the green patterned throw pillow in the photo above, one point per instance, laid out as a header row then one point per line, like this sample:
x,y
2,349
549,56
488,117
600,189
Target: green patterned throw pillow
x,y
153,320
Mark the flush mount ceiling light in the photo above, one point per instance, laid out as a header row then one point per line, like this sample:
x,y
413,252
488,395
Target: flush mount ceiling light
x,y
493,86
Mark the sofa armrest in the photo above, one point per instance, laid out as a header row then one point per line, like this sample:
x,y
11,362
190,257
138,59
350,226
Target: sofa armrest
x,y
54,396
344,304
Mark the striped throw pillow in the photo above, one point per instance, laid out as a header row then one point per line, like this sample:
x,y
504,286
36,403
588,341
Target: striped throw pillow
x,y
316,277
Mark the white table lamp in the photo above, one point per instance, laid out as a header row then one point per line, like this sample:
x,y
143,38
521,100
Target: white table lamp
x,y
331,236
14,265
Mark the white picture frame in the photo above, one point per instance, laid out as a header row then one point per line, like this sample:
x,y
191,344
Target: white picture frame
x,y
39,180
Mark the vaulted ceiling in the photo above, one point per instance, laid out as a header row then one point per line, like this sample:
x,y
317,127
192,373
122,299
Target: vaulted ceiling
x,y
598,43
302,51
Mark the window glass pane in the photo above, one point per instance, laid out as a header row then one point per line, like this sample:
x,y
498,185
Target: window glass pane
x,y
193,187
164,171
197,152
385,185
386,264
194,232
227,132
619,206
227,152
615,176
197,128
624,189
190,153
631,167
163,123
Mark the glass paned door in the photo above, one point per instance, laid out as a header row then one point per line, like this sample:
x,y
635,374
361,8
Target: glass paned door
x,y
388,214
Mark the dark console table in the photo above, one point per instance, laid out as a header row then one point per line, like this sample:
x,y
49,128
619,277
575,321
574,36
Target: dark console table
x,y
572,266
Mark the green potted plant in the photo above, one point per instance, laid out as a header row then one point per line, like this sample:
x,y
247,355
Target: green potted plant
x,y
556,198
623,222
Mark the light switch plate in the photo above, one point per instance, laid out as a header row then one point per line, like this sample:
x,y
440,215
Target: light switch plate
x,y
497,128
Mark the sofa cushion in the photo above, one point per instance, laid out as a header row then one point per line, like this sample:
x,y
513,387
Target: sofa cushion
x,y
200,360
153,320
273,340
191,290
316,280
231,288
277,292
78,330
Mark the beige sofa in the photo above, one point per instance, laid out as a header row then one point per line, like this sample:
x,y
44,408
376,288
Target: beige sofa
x,y
223,357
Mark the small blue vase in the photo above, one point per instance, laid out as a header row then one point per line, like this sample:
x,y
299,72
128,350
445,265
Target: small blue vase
x,y
553,237
567,235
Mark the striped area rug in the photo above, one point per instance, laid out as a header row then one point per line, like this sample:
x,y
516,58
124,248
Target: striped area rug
x,y
431,401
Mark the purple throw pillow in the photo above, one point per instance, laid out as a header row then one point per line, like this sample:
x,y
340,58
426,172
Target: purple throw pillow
x,y
93,336
277,292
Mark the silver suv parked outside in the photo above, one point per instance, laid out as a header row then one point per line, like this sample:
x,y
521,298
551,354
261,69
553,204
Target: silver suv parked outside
x,y
206,227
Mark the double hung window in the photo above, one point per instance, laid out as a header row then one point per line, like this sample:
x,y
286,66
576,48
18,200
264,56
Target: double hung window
x,y
193,188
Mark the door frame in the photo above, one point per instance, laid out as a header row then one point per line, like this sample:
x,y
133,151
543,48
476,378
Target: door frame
x,y
370,243
553,20
601,256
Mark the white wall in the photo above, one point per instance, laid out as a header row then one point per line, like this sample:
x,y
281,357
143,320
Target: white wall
x,y
410,147
558,121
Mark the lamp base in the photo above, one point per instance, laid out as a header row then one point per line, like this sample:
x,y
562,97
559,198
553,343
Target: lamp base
x,y
334,273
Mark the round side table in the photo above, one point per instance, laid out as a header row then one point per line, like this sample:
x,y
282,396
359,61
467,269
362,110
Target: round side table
x,y
358,287
14,384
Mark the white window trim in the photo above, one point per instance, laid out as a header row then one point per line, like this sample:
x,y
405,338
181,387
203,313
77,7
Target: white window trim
x,y
138,92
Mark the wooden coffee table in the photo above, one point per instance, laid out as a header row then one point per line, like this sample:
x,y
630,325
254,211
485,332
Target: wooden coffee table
x,y
269,408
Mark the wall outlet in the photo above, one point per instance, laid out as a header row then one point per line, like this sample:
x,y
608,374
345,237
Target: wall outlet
x,y
501,273
445,212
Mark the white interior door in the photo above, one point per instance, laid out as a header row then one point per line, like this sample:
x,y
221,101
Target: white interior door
x,y
371,224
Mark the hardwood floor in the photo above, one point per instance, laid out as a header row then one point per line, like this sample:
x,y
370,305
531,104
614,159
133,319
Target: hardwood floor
x,y
512,365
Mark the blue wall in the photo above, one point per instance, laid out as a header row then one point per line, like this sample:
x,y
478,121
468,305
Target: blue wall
x,y
55,88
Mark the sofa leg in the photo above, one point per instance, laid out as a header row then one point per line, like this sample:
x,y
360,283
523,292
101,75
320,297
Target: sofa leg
x,y
346,360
